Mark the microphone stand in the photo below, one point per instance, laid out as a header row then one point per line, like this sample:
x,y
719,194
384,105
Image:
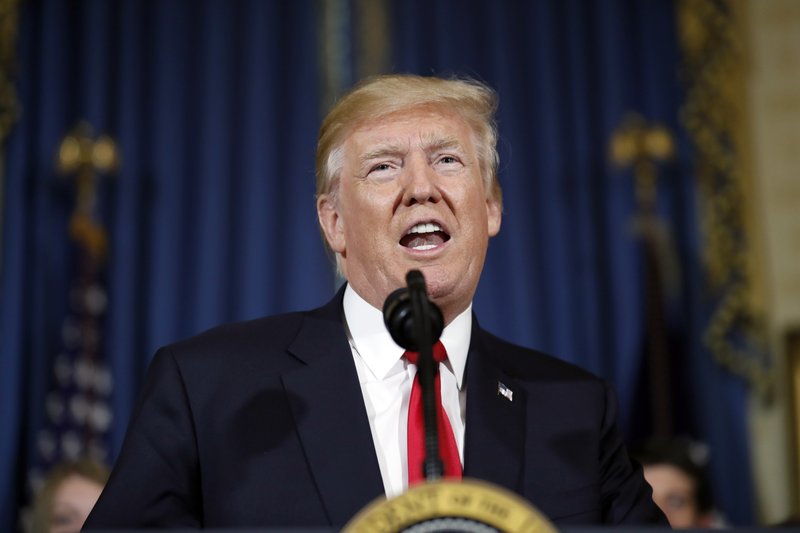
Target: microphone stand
x,y
433,467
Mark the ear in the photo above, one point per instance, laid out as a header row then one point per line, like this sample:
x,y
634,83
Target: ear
x,y
331,223
494,215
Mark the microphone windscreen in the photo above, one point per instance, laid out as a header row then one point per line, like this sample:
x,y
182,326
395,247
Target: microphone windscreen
x,y
398,313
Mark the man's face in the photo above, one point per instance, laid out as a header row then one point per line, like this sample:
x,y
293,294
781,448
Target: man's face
x,y
411,196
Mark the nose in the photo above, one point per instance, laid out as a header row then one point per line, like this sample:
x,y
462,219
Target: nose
x,y
420,182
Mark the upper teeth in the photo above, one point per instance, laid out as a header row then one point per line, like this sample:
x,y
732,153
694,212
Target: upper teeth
x,y
425,228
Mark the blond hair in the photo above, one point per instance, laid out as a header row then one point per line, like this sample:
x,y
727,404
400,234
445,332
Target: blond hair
x,y
379,96
41,516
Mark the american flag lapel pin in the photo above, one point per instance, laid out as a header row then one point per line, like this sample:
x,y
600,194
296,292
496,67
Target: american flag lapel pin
x,y
504,391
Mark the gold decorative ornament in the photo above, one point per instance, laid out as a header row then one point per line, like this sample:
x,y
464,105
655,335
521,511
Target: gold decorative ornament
x,y
713,68
335,48
642,145
84,156
9,106
639,144
355,42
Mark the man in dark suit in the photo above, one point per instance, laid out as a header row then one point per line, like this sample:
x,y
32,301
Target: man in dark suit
x,y
300,419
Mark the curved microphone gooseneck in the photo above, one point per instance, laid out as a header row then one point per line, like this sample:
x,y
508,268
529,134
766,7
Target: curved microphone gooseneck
x,y
415,323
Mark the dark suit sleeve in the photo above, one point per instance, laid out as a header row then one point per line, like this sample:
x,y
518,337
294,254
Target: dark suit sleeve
x,y
626,496
155,481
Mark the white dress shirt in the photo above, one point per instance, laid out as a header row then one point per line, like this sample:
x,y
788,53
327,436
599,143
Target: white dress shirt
x,y
386,379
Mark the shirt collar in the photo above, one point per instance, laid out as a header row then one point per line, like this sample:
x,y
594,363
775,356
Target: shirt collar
x,y
373,343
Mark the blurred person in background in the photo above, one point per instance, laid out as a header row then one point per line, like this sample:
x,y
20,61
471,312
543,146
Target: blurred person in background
x,y
676,471
66,497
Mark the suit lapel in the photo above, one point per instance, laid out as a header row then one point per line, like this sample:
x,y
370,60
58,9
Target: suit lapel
x,y
328,408
495,424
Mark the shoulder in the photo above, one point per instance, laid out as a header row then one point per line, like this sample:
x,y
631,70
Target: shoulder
x,y
529,364
266,343
228,353
242,337
551,385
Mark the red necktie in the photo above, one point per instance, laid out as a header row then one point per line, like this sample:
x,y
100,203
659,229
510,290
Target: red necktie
x,y
416,425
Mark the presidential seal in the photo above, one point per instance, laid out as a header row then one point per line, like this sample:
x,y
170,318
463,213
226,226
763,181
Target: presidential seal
x,y
468,506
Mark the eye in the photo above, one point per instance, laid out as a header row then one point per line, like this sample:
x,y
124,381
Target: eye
x,y
383,170
448,160
380,167
448,163
675,501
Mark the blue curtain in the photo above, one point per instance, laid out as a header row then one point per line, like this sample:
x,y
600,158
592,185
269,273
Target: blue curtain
x,y
565,274
215,108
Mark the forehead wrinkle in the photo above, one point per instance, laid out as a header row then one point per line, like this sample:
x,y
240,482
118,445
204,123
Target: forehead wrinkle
x,y
429,141
435,143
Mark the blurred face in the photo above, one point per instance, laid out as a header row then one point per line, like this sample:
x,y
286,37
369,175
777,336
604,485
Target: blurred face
x,y
72,503
411,196
674,493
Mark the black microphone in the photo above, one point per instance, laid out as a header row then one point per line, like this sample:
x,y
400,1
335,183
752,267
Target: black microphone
x,y
398,313
416,323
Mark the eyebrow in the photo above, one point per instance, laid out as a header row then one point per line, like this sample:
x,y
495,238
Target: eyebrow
x,y
382,151
435,144
430,144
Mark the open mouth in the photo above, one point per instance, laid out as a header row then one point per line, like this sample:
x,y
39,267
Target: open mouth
x,y
425,236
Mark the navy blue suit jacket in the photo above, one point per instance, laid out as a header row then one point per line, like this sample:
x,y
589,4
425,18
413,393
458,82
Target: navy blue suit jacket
x,y
263,423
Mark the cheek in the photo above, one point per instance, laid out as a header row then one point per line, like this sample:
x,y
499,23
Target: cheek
x,y
369,217
366,234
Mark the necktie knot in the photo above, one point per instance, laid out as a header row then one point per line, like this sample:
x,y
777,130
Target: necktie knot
x,y
439,354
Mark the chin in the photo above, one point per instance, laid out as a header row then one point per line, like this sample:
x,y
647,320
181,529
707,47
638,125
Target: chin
x,y
434,280
440,291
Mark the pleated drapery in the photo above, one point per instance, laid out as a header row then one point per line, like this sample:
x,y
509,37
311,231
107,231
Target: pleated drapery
x,y
215,107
